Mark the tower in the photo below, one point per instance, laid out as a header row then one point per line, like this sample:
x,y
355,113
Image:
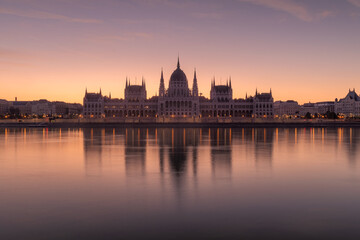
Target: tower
x,y
195,90
162,85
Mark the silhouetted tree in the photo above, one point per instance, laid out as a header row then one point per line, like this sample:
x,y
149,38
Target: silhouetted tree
x,y
331,115
308,115
14,111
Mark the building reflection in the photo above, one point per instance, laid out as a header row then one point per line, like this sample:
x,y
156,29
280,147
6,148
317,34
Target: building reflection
x,y
263,148
221,152
135,151
93,141
177,149
179,145
350,138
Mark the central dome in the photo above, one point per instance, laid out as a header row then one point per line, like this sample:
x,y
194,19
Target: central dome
x,y
178,84
178,78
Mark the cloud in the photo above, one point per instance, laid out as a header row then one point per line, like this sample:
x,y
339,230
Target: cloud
x,y
354,2
326,14
46,15
172,3
287,6
130,36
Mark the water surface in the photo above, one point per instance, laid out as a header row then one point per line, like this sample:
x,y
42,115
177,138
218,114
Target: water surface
x,y
147,183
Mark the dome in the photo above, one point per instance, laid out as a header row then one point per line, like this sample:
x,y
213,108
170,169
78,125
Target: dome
x,y
178,78
178,84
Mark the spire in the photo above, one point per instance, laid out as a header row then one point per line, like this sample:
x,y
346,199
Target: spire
x,y
270,92
230,82
110,95
178,63
162,85
195,89
246,96
86,90
100,91
126,82
256,93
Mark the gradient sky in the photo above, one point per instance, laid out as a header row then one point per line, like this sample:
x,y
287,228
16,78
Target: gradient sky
x,y
306,50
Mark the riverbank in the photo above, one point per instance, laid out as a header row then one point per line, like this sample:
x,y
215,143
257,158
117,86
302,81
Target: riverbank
x,y
216,122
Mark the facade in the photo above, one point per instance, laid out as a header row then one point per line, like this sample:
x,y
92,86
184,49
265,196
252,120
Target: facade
x,y
263,105
288,108
67,109
22,107
324,107
4,107
93,105
44,107
311,108
349,106
178,101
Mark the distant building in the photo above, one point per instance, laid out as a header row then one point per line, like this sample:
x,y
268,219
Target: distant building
x,y
324,107
221,98
93,105
66,109
349,106
23,107
4,107
311,108
178,101
287,108
42,107
263,104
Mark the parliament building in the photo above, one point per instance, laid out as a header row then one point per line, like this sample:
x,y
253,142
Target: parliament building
x,y
178,101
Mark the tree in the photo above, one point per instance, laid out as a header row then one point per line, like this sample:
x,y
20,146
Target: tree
x,y
308,115
331,115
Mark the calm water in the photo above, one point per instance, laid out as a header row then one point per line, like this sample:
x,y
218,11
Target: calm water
x,y
180,183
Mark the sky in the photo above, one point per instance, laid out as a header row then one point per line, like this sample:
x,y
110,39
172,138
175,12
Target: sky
x,y
304,50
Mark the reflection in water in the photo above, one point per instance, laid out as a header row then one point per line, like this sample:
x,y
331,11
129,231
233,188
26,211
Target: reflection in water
x,y
221,154
264,147
179,143
93,144
179,183
135,151
351,140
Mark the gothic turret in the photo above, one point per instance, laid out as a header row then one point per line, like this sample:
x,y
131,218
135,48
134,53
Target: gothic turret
x,y
162,85
195,90
143,82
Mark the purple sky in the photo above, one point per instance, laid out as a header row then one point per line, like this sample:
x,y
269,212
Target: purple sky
x,y
304,50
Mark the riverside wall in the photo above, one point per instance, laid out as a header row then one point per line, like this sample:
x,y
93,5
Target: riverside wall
x,y
179,122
